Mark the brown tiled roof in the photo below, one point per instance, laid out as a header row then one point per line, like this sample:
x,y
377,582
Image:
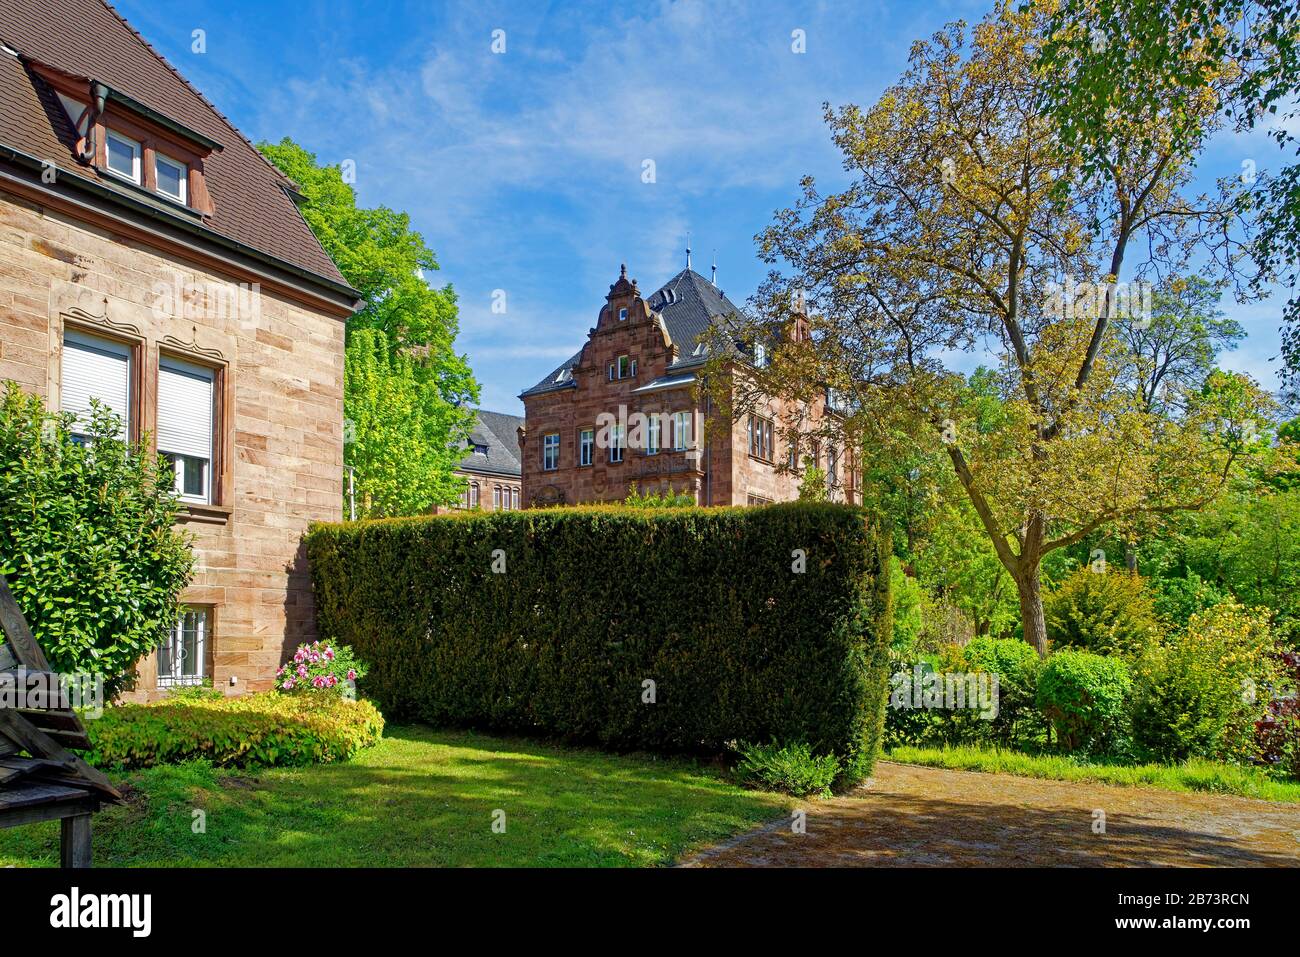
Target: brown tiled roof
x,y
89,38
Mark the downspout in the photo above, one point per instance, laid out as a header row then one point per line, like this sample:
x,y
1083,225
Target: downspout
x,y
87,146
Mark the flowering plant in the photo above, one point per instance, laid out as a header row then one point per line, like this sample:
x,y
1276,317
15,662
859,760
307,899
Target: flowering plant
x,y
320,666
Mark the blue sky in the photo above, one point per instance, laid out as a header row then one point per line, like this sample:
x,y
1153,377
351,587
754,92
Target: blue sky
x,y
523,170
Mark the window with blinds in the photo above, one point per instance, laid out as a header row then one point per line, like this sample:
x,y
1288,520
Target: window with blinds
x,y
95,368
185,418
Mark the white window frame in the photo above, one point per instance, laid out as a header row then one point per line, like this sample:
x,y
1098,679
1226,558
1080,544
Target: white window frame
x,y
624,364
160,160
136,159
551,452
514,498
679,430
622,314
653,429
586,446
473,495
175,649
182,367
618,443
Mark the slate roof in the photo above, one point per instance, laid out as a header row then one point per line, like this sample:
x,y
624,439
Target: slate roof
x,y
689,305
89,38
497,431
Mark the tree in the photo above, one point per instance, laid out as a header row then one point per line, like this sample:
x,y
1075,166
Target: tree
x,y
411,333
1109,58
1175,349
967,224
404,444
88,539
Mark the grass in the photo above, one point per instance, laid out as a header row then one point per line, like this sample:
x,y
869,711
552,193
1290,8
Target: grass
x,y
419,798
1195,775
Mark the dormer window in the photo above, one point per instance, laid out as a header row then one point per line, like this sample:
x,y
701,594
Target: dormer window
x,y
171,177
760,355
123,156
622,314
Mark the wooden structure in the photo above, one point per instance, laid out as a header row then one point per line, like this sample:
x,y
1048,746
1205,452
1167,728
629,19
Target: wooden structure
x,y
41,779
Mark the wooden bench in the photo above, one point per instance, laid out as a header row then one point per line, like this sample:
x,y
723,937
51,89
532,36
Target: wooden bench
x,y
40,778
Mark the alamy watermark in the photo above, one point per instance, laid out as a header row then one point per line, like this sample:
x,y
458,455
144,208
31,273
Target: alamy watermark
x,y
924,687
207,301
23,690
1090,300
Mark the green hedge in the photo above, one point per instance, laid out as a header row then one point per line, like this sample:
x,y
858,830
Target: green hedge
x,y
594,601
257,730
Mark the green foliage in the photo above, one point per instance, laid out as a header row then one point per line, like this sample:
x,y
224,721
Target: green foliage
x,y
407,393
792,769
1178,599
594,602
812,485
638,499
1085,696
256,730
404,439
909,600
87,540
1106,612
1017,666
1200,692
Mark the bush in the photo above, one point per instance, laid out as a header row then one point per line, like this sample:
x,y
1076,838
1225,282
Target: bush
x,y
1277,733
1197,692
1016,665
1085,696
655,629
87,540
793,769
1178,599
638,499
320,666
256,730
1107,613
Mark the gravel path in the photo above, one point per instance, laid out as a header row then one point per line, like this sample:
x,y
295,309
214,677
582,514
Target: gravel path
x,y
908,816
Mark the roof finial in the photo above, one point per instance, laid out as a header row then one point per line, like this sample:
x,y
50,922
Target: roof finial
x,y
688,249
622,271
715,267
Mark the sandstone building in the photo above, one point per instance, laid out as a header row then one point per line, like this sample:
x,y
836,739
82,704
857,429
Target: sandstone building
x,y
626,411
152,259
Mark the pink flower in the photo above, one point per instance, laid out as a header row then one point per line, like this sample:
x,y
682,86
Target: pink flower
x,y
318,682
302,671
352,674
288,684
298,655
332,681
329,654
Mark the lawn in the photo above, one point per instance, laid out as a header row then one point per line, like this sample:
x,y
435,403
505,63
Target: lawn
x,y
1194,775
419,798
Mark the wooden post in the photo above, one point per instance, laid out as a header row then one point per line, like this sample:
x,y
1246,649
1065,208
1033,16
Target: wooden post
x,y
74,845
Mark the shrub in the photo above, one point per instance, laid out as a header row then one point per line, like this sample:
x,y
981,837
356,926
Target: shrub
x,y
909,599
1085,696
87,539
1178,599
1107,613
793,769
638,499
1277,733
320,666
905,726
655,629
1197,692
256,730
1017,667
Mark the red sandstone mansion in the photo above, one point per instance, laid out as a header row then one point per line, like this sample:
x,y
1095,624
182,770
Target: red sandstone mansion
x,y
626,411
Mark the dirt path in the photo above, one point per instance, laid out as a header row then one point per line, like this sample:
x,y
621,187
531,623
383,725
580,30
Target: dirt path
x,y
908,816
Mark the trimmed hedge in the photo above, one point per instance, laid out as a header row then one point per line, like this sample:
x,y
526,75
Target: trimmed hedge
x,y
595,601
256,730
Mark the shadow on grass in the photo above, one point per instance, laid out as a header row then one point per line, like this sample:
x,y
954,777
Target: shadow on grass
x,y
420,798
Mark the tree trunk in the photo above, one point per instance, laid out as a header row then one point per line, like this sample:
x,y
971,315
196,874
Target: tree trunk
x,y
1031,610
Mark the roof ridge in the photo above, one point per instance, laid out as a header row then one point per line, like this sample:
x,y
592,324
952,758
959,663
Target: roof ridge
x,y
196,91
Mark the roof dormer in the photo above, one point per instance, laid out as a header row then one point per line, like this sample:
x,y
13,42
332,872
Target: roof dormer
x,y
131,144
